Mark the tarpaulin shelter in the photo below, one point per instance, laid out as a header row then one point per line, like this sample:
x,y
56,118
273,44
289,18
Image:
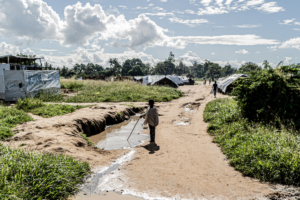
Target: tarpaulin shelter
x,y
21,77
225,84
27,83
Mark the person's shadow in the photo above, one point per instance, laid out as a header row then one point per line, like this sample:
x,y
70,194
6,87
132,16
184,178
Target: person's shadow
x,y
151,148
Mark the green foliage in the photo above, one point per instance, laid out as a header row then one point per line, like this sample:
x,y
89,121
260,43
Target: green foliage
x,y
73,85
248,67
270,95
10,118
256,150
27,175
37,107
87,139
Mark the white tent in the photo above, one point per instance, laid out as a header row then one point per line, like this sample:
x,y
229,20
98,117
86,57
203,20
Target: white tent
x,y
224,83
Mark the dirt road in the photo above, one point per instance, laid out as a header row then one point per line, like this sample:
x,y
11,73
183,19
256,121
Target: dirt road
x,y
188,165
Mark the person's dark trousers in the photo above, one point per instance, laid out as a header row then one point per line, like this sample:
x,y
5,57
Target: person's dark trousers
x,y
152,133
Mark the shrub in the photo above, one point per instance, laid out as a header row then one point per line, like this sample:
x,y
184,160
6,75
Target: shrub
x,y
270,95
255,149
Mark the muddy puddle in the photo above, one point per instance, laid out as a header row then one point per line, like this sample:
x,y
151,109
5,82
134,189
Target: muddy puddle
x,y
189,107
115,137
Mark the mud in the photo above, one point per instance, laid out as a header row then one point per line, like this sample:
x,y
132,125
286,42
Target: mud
x,y
62,134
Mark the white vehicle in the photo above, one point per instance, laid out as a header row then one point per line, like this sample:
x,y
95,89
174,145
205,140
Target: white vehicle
x,y
21,77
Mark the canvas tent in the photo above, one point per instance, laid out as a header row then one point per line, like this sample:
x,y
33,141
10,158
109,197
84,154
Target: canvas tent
x,y
27,83
224,84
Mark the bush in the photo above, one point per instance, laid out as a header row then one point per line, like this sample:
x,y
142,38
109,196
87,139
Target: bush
x,y
26,175
73,85
256,150
270,95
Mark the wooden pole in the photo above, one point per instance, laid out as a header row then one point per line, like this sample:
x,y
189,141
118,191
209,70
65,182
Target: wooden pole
x,y
133,129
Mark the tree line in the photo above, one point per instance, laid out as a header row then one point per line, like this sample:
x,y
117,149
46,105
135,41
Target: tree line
x,y
136,67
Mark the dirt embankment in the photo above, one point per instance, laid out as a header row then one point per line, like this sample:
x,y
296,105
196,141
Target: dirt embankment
x,y
62,134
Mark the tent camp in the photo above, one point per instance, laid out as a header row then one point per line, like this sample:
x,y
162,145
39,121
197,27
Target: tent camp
x,y
20,79
225,85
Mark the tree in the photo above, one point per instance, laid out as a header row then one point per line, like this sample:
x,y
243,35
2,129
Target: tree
x,y
114,63
136,71
248,67
266,64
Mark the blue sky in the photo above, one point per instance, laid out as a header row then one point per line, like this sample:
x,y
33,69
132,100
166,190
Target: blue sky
x,y
224,31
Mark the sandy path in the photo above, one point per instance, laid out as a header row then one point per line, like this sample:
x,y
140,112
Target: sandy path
x,y
188,165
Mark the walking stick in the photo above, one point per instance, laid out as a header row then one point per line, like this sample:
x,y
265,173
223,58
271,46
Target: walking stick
x,y
133,129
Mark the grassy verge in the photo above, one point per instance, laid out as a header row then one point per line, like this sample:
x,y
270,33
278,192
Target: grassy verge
x,y
87,139
10,118
101,91
26,175
37,107
256,150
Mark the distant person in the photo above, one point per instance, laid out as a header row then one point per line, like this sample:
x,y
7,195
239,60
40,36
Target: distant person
x,y
151,118
215,87
209,81
204,82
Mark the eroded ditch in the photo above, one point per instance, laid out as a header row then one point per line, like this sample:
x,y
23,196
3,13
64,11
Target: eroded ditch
x,y
113,138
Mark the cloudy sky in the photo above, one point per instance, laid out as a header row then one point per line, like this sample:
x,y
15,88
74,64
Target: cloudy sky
x,y
66,32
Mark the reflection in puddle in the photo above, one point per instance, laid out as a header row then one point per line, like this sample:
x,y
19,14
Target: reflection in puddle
x,y
115,137
183,124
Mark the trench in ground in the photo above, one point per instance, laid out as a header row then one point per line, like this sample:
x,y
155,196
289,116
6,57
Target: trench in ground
x,y
112,138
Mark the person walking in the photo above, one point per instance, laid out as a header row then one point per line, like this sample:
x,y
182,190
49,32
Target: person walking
x,y
151,118
204,81
215,87
209,81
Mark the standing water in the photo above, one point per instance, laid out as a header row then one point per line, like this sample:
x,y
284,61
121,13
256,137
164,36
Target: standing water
x,y
115,137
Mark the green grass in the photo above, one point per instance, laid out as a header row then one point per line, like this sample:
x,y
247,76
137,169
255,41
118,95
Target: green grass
x,y
256,150
126,91
10,118
87,139
26,175
37,107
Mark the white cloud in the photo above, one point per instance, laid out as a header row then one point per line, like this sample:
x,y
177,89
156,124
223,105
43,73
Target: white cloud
x,y
242,51
296,29
121,6
28,51
212,11
270,7
257,52
190,11
273,48
141,8
159,14
240,40
287,60
248,26
288,21
164,0
297,23
293,43
28,19
48,50
8,49
213,53
206,2
188,22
